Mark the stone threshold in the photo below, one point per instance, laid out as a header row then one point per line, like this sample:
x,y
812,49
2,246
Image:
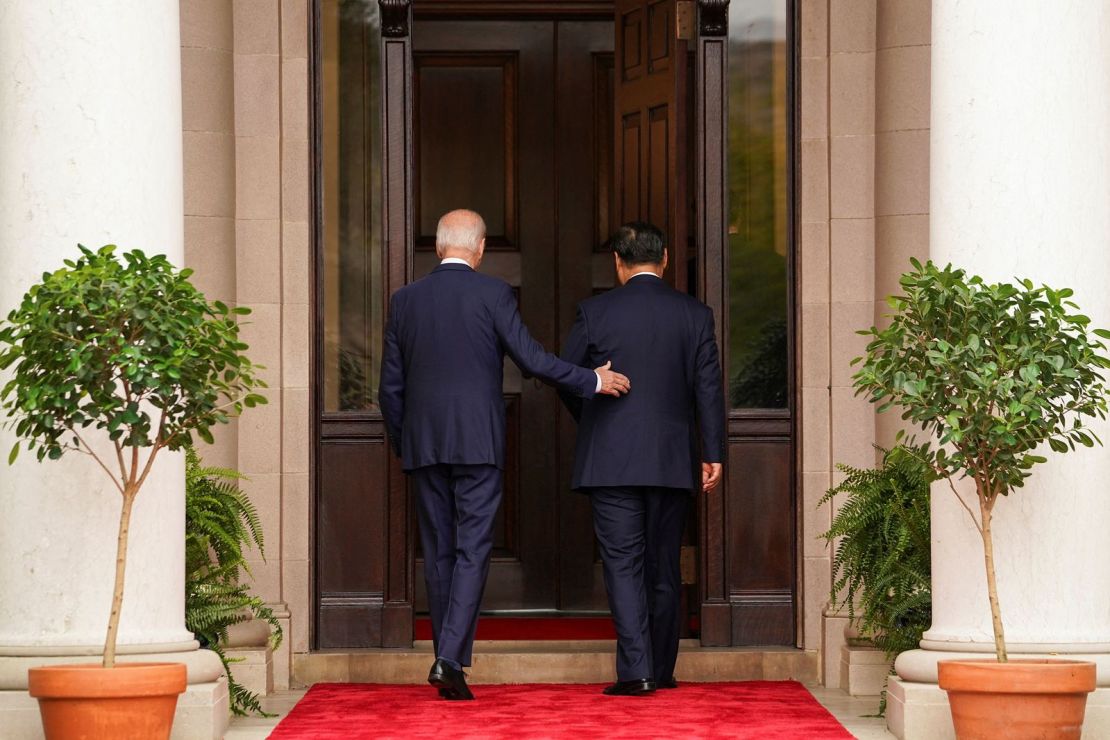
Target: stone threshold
x,y
561,661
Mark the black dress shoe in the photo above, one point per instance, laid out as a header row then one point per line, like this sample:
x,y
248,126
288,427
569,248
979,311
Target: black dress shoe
x,y
450,681
639,687
666,683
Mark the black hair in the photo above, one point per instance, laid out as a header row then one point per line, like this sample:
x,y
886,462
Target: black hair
x,y
638,243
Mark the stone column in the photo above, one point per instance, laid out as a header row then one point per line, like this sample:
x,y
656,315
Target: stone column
x,y
91,153
1020,161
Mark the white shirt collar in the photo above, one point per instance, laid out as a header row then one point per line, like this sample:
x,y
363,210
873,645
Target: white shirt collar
x,y
645,272
454,261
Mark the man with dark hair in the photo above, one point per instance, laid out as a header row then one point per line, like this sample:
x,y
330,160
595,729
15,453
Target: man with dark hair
x,y
442,361
639,459
639,243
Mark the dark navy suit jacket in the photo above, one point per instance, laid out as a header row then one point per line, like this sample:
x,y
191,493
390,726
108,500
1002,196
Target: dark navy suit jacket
x,y
442,366
664,342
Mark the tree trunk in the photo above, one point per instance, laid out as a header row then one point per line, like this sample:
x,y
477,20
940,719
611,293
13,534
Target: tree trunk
x,y
121,567
986,509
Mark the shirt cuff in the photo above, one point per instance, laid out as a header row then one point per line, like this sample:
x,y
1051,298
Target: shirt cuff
x,y
598,388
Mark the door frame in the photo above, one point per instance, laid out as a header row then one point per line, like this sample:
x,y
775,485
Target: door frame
x,y
383,616
730,615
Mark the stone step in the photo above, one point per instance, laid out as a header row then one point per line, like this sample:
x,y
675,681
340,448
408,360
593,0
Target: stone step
x,y
563,661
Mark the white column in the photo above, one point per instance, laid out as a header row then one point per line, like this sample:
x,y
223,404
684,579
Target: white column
x,y
1020,186
90,152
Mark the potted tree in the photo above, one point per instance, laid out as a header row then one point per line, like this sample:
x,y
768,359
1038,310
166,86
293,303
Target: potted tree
x,y
993,373
119,360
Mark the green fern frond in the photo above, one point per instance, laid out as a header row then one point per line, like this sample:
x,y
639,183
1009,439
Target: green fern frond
x,y
221,523
881,549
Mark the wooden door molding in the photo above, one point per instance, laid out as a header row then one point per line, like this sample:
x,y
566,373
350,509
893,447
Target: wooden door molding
x,y
397,218
711,80
471,9
499,112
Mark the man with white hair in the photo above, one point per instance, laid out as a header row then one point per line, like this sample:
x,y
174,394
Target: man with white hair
x,y
440,394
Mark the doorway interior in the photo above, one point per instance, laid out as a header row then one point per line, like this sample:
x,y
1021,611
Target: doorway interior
x,y
515,118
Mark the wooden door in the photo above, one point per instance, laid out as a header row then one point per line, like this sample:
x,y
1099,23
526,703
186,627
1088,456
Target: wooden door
x,y
584,143
490,124
650,122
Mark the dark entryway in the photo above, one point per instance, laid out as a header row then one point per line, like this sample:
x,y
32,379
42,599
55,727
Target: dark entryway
x,y
517,119
513,119
557,120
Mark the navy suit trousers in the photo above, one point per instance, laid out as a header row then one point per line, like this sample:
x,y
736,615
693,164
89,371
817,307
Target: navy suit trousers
x,y
639,534
456,505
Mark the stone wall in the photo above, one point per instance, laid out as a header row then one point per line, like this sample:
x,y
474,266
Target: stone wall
x,y
247,183
864,190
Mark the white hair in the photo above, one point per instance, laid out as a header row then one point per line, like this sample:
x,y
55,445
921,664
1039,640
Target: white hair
x,y
463,230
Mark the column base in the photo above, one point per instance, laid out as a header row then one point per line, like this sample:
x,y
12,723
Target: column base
x,y
917,711
283,656
863,670
834,621
203,711
249,651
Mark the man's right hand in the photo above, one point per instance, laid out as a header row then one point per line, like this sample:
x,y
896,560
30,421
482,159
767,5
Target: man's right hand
x,y
612,383
710,475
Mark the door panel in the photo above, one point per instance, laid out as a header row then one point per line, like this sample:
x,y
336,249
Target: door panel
x,y
491,134
631,132
650,123
584,145
484,122
466,110
760,548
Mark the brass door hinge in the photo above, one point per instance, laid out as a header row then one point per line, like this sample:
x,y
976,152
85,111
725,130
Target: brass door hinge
x,y
684,20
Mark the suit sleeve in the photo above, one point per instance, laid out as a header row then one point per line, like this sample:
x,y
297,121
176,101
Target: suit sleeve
x,y
709,395
530,356
576,351
391,388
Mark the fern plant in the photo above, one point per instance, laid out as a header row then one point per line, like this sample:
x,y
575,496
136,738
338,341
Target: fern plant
x,y
220,521
881,564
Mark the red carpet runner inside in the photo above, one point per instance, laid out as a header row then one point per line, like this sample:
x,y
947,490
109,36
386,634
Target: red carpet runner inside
x,y
532,628
767,710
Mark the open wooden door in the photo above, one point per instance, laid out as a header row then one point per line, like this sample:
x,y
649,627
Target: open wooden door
x,y
650,95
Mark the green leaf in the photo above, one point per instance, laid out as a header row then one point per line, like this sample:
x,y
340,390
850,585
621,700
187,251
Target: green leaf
x,y
995,370
105,337
13,454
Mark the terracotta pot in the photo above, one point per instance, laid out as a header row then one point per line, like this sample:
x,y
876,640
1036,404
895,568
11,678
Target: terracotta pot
x,y
133,701
1042,699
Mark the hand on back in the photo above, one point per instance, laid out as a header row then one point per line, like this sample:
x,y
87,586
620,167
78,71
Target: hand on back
x,y
612,383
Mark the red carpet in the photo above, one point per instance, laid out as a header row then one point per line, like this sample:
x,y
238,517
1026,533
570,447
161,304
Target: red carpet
x,y
756,709
533,628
